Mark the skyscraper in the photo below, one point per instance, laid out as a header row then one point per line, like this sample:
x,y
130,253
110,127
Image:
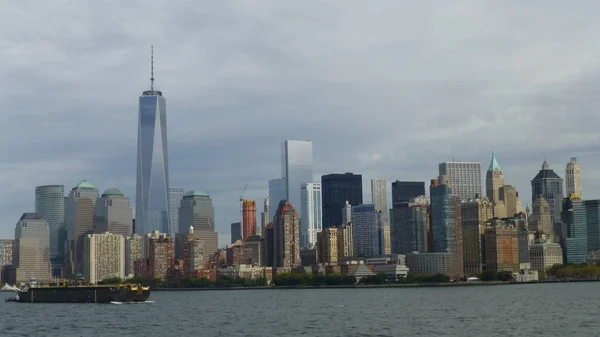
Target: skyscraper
x,y
336,190
248,219
409,226
494,180
573,178
286,237
446,225
31,250
112,213
197,210
296,169
264,216
79,222
152,190
577,240
104,257
175,195
474,215
541,219
548,185
311,220
379,196
405,191
50,203
509,196
236,231
366,231
277,192
463,177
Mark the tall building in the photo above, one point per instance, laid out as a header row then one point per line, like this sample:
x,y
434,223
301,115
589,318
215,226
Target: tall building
x,y
79,219
463,177
336,190
541,219
379,196
592,210
31,249
104,257
366,231
193,255
112,213
405,191
549,186
345,241
296,169
277,192
248,219
265,219
269,245
312,216
446,225
494,179
347,214
408,227
327,246
175,196
577,240
6,250
50,203
196,209
135,252
573,178
502,248
286,237
384,240
161,254
474,215
236,231
152,189
510,197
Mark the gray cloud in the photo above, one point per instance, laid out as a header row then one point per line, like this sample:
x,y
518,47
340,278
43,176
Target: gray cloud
x,y
385,89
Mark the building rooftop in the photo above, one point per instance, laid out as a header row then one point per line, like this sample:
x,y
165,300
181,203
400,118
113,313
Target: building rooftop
x,y
195,193
85,185
31,216
112,191
546,173
494,164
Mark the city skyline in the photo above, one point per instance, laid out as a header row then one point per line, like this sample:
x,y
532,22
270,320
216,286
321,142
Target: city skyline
x,y
203,103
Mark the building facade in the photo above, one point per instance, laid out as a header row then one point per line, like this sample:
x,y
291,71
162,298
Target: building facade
x,y
541,219
236,231
502,248
509,196
277,193
135,252
405,191
463,177
577,240
573,178
366,231
196,210
50,204
161,255
264,216
311,220
112,213
248,219
6,250
446,225
31,249
545,255
104,257
548,185
494,180
474,215
296,169
286,237
379,196
175,196
327,246
336,190
409,226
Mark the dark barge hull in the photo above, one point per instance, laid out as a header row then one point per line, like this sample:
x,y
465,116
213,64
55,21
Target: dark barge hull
x,y
81,295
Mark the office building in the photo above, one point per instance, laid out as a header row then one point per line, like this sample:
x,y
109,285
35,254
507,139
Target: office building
x,y
474,215
463,177
366,231
104,257
196,210
79,222
152,188
297,169
548,185
327,246
248,219
269,246
384,239
502,248
592,210
277,193
408,226
336,190
345,241
379,196
446,223
312,216
577,241
112,213
31,249
510,197
256,244
175,196
494,180
286,237
265,219
6,250
236,231
347,214
50,204
405,191
541,219
573,178
544,255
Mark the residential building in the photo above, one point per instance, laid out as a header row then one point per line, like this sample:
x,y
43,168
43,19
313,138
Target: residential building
x,y
379,196
463,177
336,190
405,191
474,215
236,231
286,237
501,248
248,219
256,244
573,178
161,254
31,249
112,213
365,229
345,241
152,187
50,204
104,257
175,196
311,221
327,246
135,252
79,218
193,255
6,250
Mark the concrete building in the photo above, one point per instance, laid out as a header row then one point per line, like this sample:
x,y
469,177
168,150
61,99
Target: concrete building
x,y
6,249
161,254
337,189
545,255
365,228
196,210
79,218
392,271
494,180
193,255
502,248
269,245
112,213
431,263
446,225
104,257
265,219
463,177
311,221
327,246
345,241
175,196
573,178
509,196
379,197
384,240
541,219
549,186
135,251
405,191
286,237
248,219
31,249
236,231
474,215
256,244
409,226
50,204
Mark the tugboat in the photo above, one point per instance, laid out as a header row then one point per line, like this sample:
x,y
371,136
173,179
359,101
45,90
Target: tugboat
x,y
81,294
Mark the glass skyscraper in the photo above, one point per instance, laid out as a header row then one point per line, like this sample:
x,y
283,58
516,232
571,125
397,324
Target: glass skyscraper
x,y
296,169
152,192
50,203
175,196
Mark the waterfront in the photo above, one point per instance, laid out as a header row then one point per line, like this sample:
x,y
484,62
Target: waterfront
x,y
558,309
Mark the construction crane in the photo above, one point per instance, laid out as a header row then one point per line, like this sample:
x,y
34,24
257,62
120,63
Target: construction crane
x,y
242,212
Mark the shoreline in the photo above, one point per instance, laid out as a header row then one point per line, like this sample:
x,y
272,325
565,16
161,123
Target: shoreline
x,y
370,286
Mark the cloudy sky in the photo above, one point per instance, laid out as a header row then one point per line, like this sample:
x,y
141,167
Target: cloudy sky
x,y
383,88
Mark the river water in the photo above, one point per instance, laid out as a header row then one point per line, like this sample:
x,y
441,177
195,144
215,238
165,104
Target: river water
x,y
565,309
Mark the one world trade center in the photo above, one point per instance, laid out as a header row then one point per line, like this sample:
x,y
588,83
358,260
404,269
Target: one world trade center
x,y
152,190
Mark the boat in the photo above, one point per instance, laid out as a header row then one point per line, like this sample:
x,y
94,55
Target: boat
x,y
8,287
124,293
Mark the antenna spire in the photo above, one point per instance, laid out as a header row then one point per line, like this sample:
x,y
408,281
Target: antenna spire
x,y
152,67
